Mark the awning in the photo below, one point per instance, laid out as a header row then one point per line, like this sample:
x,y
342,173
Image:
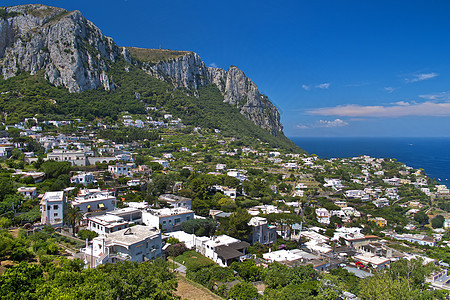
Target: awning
x,y
88,207
101,205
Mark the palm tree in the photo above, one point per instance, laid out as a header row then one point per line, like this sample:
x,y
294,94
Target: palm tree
x,y
73,217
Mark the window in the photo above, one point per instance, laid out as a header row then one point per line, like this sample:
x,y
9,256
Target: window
x,y
164,222
55,206
55,214
178,220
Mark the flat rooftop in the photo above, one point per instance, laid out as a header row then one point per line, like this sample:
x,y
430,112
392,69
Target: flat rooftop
x,y
132,235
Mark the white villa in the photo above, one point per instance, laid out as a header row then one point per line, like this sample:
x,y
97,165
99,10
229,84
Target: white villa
x,y
52,208
138,243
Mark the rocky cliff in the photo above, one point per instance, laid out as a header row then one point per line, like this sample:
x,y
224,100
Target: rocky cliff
x,y
72,52
189,71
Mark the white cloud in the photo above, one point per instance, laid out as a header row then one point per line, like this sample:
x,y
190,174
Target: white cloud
x,y
400,109
402,103
324,86
213,65
421,77
389,89
437,96
301,126
332,124
323,124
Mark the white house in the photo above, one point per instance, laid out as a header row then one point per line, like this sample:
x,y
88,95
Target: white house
x,y
229,192
82,178
52,208
118,170
420,239
333,183
28,192
138,243
162,162
106,224
323,216
382,202
176,201
94,200
222,249
237,174
221,167
76,158
262,231
167,219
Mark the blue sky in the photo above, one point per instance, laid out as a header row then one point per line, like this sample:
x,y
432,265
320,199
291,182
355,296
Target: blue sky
x,y
333,68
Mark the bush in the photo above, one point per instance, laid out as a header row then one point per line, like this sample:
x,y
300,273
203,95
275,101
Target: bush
x,y
87,234
21,254
176,249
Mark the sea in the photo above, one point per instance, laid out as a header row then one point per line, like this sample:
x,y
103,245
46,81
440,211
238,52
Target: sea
x,y
430,154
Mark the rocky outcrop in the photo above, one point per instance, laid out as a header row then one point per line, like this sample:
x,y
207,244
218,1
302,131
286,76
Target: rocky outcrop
x,y
189,71
71,51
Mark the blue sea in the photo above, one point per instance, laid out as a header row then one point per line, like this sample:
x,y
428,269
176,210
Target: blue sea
x,y
431,154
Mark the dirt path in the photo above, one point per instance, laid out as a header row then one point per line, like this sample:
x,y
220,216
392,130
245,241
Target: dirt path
x,y
192,291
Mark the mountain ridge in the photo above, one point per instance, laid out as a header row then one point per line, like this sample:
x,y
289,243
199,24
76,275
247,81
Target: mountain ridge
x,y
73,53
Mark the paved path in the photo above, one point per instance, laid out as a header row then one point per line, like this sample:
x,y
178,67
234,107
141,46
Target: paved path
x,y
181,269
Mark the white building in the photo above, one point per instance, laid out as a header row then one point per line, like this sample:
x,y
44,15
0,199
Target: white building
x,y
52,205
420,239
323,216
333,183
222,249
138,243
227,191
118,170
94,200
162,162
76,158
106,224
82,178
28,192
237,174
262,231
382,202
167,219
176,201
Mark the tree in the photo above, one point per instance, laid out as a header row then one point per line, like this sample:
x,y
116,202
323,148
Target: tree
x,y
421,218
55,168
73,217
21,281
237,226
243,291
200,227
438,221
87,234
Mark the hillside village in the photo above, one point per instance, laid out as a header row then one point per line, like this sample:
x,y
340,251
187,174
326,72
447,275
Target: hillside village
x,y
166,189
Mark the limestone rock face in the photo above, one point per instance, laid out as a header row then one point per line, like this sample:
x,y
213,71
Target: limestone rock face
x,y
189,71
71,51
186,71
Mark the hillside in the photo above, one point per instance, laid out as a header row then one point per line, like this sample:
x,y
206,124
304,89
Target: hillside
x,y
55,63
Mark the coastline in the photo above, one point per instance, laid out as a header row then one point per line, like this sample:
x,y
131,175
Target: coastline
x,y
428,153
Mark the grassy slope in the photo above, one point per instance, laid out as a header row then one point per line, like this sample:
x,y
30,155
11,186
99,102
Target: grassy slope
x,y
154,55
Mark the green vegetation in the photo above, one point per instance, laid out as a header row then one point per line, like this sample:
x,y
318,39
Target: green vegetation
x,y
24,96
193,260
68,280
155,55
